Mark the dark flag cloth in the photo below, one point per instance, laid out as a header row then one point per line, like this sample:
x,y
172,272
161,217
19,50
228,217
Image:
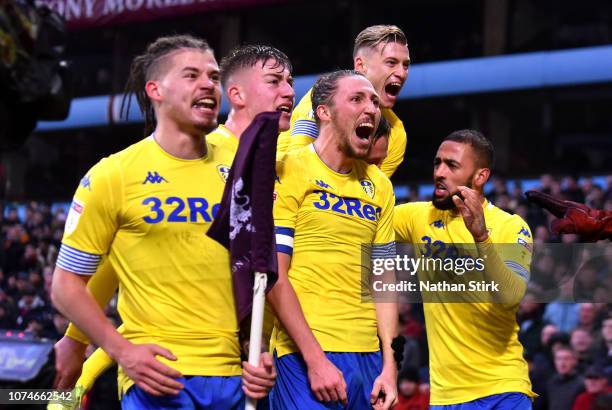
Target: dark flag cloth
x,y
244,223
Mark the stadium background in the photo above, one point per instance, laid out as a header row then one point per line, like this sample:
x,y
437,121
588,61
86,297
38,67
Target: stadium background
x,y
534,76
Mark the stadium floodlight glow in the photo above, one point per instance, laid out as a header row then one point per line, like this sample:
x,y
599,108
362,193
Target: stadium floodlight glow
x,y
544,69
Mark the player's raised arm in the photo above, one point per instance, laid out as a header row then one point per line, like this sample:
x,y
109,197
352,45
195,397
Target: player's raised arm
x,y
512,276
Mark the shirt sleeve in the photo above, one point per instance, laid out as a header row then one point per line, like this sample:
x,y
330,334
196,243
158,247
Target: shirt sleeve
x,y
402,222
517,246
397,144
304,129
507,262
384,230
287,199
91,222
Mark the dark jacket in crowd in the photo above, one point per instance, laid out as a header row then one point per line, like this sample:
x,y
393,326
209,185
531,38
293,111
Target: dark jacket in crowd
x,y
563,390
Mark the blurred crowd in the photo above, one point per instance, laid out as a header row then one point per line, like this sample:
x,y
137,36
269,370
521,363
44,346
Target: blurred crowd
x,y
567,343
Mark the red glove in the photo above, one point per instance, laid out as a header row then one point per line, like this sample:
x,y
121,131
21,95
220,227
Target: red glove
x,y
590,224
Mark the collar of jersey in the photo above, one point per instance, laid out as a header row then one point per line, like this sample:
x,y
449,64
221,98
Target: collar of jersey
x,y
226,132
340,174
172,157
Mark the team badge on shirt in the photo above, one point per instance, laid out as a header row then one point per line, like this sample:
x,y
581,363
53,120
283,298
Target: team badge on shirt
x,y
368,187
224,171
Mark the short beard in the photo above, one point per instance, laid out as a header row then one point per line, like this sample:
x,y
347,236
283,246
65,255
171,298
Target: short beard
x,y
446,204
207,129
345,146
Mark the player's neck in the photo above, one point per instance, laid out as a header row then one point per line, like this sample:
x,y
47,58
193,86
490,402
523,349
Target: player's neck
x,y
237,122
330,153
183,144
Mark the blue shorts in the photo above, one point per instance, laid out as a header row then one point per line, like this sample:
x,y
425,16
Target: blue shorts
x,y
503,401
292,390
200,392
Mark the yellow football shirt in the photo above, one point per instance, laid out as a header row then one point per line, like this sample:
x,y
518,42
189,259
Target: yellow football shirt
x,y
223,136
304,130
474,350
322,219
149,211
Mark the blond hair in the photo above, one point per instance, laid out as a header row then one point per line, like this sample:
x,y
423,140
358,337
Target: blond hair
x,y
372,36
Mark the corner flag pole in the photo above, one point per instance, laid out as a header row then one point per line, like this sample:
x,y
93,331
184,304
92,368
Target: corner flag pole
x,y
257,315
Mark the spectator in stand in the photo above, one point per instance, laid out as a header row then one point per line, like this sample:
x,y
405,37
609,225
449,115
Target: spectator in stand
x,y
587,313
30,306
12,217
412,327
541,367
411,394
531,324
6,321
603,355
499,190
542,273
547,332
608,195
542,358
555,189
571,190
563,388
596,385
522,210
562,313
546,182
517,197
586,186
9,305
582,341
541,234
596,198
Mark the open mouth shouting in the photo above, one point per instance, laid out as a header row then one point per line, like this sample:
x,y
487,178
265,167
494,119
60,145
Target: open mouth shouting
x,y
285,108
285,119
392,89
205,105
365,130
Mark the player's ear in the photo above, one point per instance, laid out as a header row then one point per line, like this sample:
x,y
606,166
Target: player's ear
x,y
235,95
360,64
323,113
153,91
481,177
